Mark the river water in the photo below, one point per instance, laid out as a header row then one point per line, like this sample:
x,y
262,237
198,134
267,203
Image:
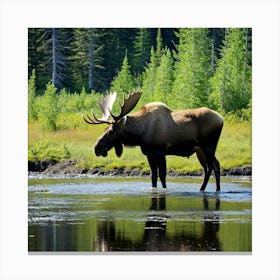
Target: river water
x,y
122,214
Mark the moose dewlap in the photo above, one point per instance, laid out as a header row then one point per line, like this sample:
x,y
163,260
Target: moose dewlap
x,y
161,131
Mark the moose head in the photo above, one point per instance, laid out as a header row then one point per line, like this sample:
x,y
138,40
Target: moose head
x,y
114,132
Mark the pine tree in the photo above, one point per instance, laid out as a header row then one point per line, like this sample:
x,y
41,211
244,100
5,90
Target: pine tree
x,y
124,81
38,57
59,44
159,47
149,78
68,60
193,68
153,77
142,46
117,42
95,60
164,78
88,59
231,84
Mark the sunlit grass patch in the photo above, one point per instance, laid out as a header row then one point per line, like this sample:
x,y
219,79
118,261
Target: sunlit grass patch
x,y
77,143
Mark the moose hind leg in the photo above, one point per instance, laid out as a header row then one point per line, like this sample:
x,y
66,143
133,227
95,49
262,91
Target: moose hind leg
x,y
216,167
206,179
203,161
153,165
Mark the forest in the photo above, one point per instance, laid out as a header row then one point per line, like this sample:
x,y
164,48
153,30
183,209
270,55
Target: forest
x,y
183,67
70,70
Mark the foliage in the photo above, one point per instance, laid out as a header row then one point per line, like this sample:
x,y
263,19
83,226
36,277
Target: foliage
x,y
231,83
164,78
124,81
193,68
142,45
210,67
88,50
46,151
149,78
48,108
244,114
108,45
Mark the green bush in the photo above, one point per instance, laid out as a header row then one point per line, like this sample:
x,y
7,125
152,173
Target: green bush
x,y
45,151
48,108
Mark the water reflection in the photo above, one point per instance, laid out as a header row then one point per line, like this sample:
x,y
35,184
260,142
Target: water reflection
x,y
155,227
211,224
106,235
81,218
156,238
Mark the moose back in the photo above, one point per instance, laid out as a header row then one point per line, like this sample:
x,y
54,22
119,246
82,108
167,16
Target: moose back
x,y
161,131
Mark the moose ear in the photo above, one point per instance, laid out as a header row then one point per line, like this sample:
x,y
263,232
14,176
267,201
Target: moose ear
x,y
119,149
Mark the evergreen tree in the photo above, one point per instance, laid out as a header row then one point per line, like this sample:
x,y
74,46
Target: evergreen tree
x,y
79,63
71,63
142,46
124,81
231,83
149,78
164,79
217,36
192,68
95,60
117,42
38,57
159,47
59,47
88,61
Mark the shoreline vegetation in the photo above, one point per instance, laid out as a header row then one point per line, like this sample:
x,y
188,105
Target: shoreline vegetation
x,y
70,152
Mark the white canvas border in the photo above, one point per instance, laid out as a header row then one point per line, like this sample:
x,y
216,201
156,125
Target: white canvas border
x,y
17,16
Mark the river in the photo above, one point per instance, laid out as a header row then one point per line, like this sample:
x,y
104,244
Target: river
x,y
127,215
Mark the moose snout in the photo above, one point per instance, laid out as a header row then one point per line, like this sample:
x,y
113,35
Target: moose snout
x,y
99,151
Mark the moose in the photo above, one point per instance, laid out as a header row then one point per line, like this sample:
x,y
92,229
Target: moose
x,y
160,131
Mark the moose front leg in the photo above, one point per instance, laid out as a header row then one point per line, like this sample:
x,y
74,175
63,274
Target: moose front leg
x,y
162,170
157,164
153,165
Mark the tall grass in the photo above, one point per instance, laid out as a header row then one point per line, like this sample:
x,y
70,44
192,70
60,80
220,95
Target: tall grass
x,y
75,140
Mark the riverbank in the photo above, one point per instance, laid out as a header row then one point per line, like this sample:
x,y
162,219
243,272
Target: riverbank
x,y
75,145
69,168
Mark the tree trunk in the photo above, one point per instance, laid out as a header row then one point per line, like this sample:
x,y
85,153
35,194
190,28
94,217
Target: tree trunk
x,y
54,58
213,51
91,60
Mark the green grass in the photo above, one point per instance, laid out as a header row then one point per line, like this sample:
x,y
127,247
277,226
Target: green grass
x,y
76,141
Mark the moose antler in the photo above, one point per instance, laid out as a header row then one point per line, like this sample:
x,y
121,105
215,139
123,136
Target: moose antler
x,y
106,107
128,105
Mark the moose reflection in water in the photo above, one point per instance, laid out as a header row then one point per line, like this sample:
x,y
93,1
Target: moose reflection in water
x,y
156,237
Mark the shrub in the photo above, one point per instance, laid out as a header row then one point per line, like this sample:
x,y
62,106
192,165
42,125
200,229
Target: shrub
x,y
45,151
48,108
